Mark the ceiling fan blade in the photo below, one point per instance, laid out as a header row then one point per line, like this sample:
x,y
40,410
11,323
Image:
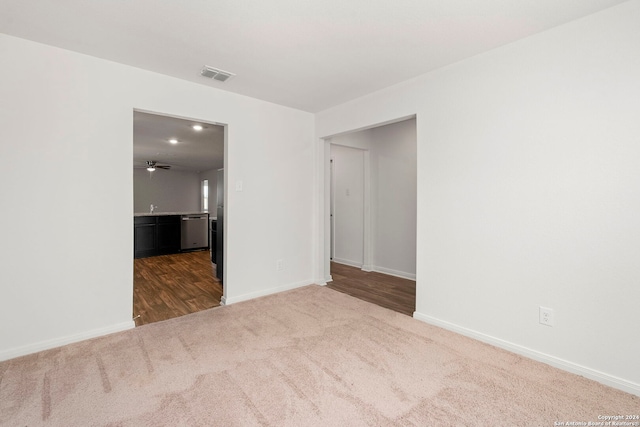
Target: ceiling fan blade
x,y
163,167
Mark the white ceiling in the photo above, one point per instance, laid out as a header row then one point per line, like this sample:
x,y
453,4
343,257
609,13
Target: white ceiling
x,y
304,54
195,151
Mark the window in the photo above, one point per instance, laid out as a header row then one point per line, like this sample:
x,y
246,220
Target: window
x,y
205,195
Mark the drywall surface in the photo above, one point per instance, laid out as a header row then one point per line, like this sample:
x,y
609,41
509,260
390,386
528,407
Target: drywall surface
x,y
394,180
67,258
169,190
528,192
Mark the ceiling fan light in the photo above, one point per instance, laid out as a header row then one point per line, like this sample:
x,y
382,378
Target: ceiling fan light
x,y
197,128
151,168
173,141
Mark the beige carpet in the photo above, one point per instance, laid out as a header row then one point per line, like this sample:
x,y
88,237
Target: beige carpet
x,y
307,357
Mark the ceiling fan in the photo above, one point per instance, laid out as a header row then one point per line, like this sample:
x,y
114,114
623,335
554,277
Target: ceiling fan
x,y
152,165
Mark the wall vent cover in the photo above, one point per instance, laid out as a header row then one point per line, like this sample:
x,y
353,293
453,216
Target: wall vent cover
x,y
216,74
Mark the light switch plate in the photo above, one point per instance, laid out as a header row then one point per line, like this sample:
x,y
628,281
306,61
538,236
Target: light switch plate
x,y
238,185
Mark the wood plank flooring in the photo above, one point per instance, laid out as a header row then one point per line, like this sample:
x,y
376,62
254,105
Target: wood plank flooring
x,y
170,286
391,292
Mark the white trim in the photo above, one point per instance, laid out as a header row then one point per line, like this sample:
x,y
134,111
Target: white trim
x,y
565,365
367,268
397,273
70,339
252,295
367,222
324,205
347,262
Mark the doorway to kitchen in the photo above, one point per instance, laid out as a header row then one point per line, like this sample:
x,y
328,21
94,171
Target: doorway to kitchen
x,y
177,163
373,213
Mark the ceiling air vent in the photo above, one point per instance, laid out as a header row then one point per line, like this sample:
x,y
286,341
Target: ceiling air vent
x,y
215,74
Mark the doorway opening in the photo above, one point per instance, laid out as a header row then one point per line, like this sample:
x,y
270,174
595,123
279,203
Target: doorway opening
x,y
177,163
373,213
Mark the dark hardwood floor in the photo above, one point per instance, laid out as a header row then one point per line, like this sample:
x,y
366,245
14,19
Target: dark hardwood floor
x,y
170,286
391,292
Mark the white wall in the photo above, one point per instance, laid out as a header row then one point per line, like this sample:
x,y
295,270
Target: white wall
x,y
528,192
392,173
67,252
169,190
394,179
348,198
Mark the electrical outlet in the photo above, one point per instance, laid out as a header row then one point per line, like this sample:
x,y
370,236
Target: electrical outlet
x,y
279,265
546,316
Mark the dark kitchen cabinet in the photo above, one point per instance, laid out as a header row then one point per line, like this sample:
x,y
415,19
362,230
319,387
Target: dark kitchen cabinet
x,y
145,236
168,234
213,240
156,235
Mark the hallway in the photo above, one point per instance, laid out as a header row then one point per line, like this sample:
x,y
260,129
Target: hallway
x,y
387,291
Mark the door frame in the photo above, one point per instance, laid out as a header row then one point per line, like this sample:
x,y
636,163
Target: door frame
x,y
367,249
323,267
226,184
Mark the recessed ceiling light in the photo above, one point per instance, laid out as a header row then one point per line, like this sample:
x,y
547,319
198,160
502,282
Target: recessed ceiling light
x,y
197,127
173,141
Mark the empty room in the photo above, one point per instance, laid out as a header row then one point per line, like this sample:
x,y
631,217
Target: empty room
x,y
525,233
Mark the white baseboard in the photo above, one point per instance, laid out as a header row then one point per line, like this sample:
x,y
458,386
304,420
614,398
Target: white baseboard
x,y
565,365
327,279
59,342
396,273
252,295
347,262
368,268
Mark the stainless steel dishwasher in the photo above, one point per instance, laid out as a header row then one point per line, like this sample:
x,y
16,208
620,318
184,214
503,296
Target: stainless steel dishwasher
x,y
194,233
